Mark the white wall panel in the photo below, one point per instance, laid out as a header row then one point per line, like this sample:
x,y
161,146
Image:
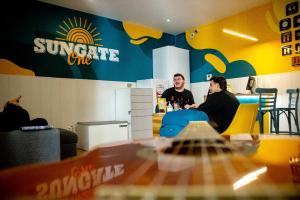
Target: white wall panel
x,y
170,60
63,102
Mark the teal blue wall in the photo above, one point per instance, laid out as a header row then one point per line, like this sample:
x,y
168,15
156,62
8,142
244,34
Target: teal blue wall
x,y
23,25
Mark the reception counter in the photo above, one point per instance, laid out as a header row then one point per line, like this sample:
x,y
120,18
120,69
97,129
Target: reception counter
x,y
247,98
254,98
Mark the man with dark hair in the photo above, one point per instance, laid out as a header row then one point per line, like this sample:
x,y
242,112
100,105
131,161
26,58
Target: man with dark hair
x,y
220,105
177,95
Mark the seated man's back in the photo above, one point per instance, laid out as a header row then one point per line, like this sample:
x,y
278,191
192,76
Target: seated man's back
x,y
221,108
220,105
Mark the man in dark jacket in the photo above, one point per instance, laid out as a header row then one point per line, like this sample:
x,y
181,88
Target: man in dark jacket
x,y
220,105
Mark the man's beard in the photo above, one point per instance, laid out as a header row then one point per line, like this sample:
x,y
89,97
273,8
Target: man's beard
x,y
179,88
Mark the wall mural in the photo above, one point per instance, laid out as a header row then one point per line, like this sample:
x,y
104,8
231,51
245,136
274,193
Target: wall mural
x,y
139,33
214,52
57,42
211,61
288,27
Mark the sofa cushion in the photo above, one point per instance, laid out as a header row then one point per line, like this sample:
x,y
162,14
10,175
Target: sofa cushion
x,y
67,137
68,143
26,147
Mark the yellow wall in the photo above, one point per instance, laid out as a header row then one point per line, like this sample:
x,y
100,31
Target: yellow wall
x,y
261,23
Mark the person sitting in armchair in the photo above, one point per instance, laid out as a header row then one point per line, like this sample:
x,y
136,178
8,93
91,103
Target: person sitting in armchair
x,y
14,116
220,105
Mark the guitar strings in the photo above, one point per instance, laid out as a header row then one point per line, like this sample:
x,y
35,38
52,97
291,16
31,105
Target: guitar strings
x,y
183,181
208,186
160,176
139,172
208,174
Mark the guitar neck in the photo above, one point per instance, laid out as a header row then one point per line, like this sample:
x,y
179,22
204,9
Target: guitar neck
x,y
198,130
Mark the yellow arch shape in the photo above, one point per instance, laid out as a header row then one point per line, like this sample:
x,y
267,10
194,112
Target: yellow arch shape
x,y
75,32
276,13
8,67
137,42
140,34
271,22
217,63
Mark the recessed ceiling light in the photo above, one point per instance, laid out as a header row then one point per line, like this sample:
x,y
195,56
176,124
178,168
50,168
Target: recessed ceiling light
x,y
168,20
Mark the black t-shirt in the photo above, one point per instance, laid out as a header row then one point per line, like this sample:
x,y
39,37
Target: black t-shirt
x,y
181,98
220,108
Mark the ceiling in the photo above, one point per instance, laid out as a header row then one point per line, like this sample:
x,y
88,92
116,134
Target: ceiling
x,y
183,14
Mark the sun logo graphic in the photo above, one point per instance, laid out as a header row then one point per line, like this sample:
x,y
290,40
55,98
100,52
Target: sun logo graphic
x,y
78,32
79,40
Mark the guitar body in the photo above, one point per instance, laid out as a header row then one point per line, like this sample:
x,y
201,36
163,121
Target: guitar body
x,y
199,163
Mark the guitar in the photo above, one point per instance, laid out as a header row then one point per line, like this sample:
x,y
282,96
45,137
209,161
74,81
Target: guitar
x,y
198,163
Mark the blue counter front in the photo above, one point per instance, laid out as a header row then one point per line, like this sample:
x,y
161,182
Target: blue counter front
x,y
252,98
244,99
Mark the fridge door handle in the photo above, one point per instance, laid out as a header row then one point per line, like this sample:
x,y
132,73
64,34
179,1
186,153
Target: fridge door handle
x,y
122,125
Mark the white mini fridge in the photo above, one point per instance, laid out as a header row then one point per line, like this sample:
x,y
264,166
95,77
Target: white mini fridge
x,y
92,134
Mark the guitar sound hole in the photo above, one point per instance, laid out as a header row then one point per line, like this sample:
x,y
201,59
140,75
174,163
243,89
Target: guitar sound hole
x,y
196,150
